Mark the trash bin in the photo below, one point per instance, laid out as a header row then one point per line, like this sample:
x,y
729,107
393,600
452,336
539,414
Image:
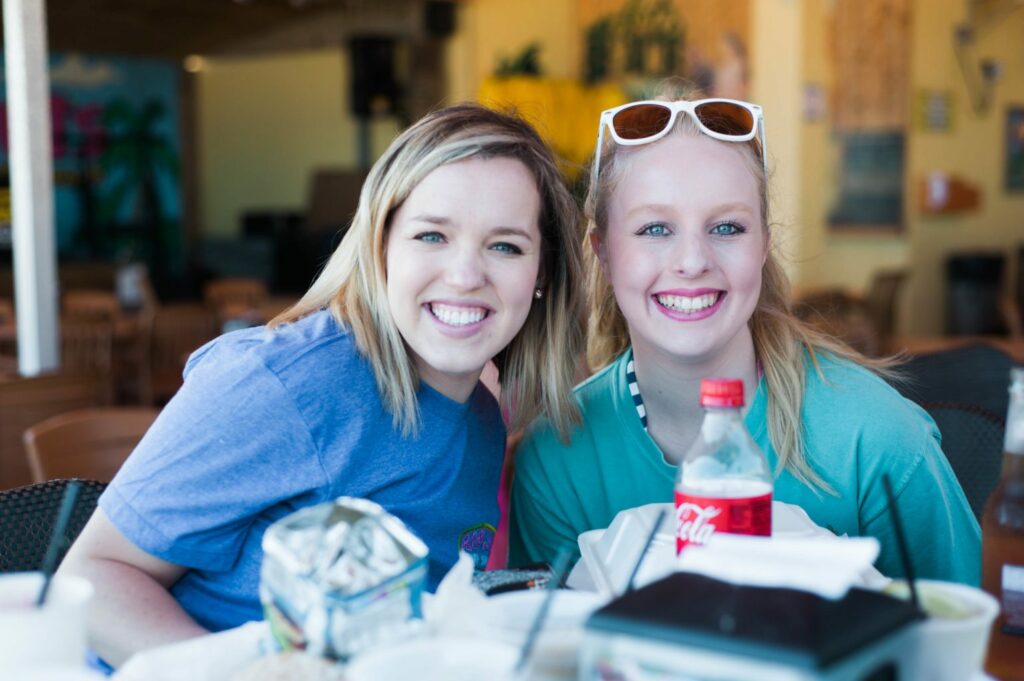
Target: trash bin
x,y
974,286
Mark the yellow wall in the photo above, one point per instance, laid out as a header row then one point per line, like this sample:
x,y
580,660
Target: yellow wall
x,y
775,56
265,123
489,30
973,149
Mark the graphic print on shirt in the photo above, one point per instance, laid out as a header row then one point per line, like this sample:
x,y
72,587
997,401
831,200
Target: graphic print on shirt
x,y
477,542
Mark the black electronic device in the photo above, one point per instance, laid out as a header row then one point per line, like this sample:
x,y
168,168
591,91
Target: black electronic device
x,y
699,627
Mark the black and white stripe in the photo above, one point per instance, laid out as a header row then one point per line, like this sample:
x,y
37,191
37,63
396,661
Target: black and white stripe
x,y
634,391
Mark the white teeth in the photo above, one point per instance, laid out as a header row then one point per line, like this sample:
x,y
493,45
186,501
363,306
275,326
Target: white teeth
x,y
688,304
457,316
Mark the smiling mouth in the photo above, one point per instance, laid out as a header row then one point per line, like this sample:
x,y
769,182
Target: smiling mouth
x,y
689,304
457,315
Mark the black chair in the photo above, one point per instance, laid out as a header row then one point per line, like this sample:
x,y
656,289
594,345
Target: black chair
x,y
972,439
27,517
973,374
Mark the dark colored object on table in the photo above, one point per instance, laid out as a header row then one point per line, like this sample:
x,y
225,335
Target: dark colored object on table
x,y
493,582
27,517
785,626
67,505
901,540
558,570
643,551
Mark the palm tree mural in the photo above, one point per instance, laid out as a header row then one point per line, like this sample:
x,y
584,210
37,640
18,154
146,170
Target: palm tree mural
x,y
138,157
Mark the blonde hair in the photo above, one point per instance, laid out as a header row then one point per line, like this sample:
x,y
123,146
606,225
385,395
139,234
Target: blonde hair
x,y
780,338
536,368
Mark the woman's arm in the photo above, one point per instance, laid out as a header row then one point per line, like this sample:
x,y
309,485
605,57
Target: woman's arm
x,y
132,609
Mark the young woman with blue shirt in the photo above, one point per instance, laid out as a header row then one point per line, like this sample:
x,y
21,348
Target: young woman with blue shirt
x,y
685,284
463,249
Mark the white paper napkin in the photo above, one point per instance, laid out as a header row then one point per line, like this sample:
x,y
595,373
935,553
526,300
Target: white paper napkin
x,y
208,658
827,567
458,606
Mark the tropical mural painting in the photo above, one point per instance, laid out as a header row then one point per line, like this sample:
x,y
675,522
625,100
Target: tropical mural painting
x,y
116,156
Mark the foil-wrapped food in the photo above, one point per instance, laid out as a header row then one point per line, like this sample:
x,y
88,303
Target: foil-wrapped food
x,y
340,577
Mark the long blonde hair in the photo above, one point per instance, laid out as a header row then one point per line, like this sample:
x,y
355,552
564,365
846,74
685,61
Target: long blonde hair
x,y
536,368
780,338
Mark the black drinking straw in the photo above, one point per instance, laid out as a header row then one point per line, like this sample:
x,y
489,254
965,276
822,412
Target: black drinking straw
x,y
643,551
901,540
67,505
557,571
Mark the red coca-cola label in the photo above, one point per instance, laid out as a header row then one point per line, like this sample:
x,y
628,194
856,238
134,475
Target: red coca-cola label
x,y
697,518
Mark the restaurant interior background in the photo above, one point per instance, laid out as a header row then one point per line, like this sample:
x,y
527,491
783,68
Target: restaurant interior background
x,y
930,92
207,155
223,143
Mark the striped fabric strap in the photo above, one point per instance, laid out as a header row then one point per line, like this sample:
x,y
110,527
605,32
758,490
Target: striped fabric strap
x,y
634,391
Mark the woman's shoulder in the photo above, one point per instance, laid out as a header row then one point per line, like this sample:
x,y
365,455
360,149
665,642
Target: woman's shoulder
x,y
841,390
597,397
315,340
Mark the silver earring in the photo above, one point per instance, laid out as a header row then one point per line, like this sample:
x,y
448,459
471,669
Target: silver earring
x,y
538,293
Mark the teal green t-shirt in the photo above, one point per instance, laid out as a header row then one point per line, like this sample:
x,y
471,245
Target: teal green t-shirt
x,y
856,427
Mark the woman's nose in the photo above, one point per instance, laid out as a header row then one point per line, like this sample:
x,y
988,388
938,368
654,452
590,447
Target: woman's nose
x,y
465,270
692,257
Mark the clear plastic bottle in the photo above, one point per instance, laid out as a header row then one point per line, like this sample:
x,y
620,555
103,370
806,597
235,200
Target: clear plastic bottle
x,y
1002,572
724,483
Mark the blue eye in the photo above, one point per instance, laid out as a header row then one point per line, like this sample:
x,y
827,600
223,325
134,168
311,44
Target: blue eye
x,y
727,229
506,247
429,237
654,229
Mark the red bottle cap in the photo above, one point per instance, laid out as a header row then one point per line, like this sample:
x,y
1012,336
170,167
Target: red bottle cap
x,y
721,392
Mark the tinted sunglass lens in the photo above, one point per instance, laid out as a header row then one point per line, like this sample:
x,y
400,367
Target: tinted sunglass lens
x,y
643,120
725,118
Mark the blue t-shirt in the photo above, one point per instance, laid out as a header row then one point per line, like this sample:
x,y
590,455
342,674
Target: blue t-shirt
x,y
269,422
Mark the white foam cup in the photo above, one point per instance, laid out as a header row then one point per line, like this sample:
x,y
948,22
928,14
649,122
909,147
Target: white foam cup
x,y
443,658
950,644
54,634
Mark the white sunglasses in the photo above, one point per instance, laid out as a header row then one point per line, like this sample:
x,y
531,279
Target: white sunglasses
x,y
729,120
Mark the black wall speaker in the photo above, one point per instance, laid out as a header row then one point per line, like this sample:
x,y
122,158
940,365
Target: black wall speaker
x,y
374,88
439,18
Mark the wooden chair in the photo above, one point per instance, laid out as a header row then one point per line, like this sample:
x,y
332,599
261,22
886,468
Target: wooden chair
x,y
841,315
178,330
8,339
27,517
25,402
87,443
91,305
231,296
6,312
881,302
87,347
866,323
125,356
273,306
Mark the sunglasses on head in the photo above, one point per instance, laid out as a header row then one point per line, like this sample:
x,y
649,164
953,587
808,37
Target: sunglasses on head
x,y
729,120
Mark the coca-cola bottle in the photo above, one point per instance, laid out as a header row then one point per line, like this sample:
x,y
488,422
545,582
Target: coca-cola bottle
x,y
724,484
1002,572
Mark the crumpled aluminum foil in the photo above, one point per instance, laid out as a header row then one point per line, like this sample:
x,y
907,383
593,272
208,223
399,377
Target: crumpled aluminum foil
x,y
340,577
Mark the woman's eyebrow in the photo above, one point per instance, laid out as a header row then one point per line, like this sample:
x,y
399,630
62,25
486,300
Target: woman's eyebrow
x,y
738,206
432,219
512,231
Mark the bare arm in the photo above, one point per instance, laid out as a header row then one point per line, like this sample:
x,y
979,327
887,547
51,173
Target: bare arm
x,y
132,609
